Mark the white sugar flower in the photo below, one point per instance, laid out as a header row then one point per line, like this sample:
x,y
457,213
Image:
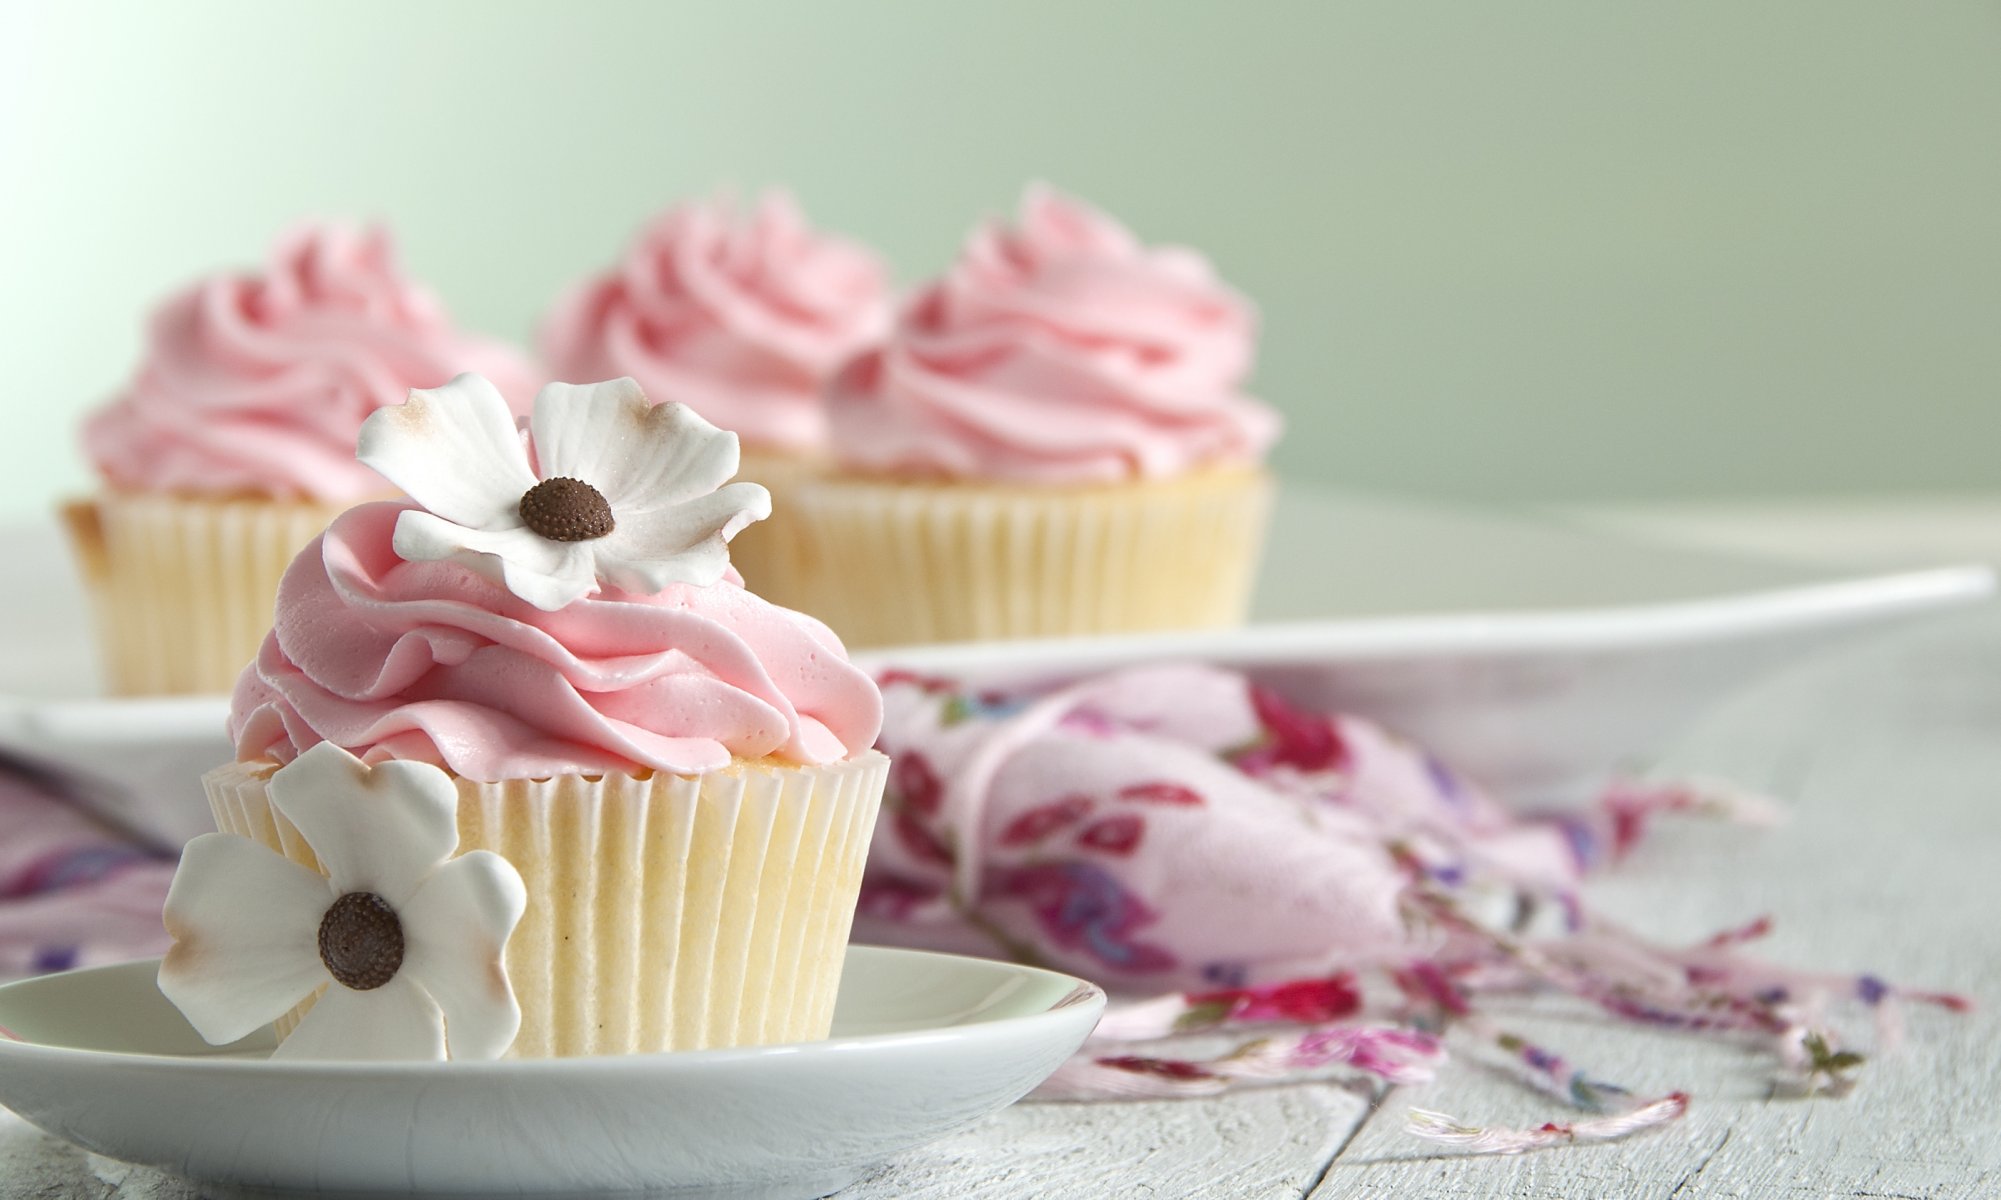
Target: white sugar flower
x,y
630,493
406,941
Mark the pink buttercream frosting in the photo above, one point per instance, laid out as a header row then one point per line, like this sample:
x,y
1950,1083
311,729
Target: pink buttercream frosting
x,y
256,384
1058,350
742,316
432,662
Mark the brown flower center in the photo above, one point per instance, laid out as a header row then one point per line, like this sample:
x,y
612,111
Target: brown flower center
x,y
361,941
566,510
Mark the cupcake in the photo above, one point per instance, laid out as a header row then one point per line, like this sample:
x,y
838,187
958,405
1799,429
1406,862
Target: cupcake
x,y
1053,440
743,317
234,445
540,666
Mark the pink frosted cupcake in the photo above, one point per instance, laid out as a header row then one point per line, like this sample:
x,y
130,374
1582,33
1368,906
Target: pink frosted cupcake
x,y
234,445
1053,440
543,656
743,316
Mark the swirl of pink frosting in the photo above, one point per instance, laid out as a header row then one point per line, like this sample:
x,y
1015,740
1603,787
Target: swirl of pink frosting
x,y
256,384
741,316
1058,350
432,662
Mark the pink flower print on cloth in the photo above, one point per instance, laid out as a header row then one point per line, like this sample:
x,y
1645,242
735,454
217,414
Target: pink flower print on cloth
x,y
1227,860
1105,830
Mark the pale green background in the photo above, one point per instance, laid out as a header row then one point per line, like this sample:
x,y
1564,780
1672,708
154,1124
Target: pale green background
x,y
1511,251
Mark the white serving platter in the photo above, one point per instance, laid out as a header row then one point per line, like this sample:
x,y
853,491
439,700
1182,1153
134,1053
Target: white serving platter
x,y
922,1045
1536,656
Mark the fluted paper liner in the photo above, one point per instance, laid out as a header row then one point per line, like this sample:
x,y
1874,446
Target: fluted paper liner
x,y
888,562
766,553
183,588
665,912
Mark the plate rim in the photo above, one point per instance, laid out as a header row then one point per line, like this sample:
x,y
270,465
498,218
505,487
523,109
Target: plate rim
x,y
1093,999
1496,633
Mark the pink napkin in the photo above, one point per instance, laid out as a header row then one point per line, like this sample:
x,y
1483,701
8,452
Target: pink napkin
x,y
72,893
1178,827
1219,859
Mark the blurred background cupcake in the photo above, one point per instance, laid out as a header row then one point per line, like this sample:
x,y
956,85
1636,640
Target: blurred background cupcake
x,y
742,314
1053,440
233,446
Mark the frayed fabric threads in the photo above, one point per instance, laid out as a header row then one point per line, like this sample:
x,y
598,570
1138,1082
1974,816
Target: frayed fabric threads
x,y
1386,1052
1437,1127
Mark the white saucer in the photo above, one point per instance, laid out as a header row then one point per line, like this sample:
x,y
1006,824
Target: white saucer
x,y
923,1044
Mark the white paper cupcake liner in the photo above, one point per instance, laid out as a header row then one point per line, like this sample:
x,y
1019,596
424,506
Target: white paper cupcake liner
x,y
887,562
183,588
665,912
766,554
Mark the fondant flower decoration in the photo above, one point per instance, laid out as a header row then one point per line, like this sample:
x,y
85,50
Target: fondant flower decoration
x,y
620,491
402,942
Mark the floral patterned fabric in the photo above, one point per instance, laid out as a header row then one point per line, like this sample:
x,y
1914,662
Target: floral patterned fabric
x,y
1309,889
72,892
1174,828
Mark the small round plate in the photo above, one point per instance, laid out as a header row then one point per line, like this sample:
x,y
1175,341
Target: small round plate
x,y
922,1044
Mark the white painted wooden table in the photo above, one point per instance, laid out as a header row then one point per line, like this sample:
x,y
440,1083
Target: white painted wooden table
x,y
1891,756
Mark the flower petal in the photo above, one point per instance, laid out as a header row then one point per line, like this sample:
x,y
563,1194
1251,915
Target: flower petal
x,y
546,574
375,829
682,543
455,449
245,924
455,931
640,456
394,1021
